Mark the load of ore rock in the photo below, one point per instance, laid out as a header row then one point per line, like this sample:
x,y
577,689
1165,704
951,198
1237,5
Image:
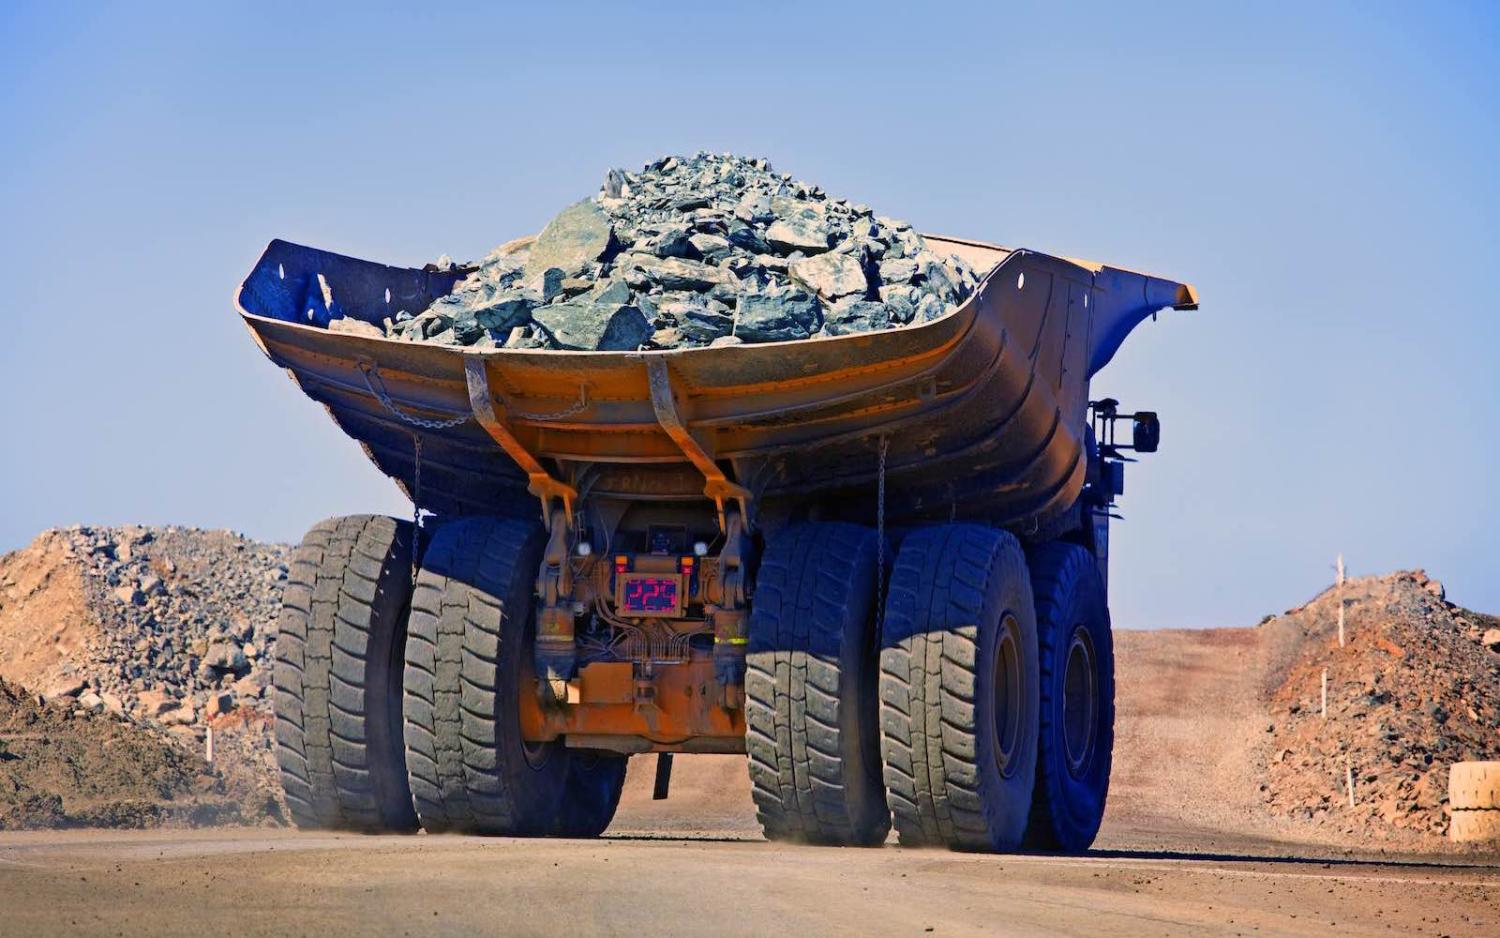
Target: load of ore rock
x,y
695,251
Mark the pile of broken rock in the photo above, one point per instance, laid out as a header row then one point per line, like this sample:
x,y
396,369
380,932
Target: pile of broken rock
x,y
186,623
694,251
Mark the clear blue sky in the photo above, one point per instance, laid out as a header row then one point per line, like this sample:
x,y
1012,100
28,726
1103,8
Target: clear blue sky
x,y
1328,175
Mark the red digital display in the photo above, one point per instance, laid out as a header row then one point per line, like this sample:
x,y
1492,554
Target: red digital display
x,y
645,595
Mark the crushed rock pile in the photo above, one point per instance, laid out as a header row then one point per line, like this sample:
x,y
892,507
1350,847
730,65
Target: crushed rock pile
x,y
694,251
1415,688
169,626
65,768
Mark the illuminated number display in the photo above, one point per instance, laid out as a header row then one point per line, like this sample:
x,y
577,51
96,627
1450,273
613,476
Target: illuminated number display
x,y
650,595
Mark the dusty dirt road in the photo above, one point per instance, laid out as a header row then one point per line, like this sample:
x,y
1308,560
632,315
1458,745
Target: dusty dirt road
x,y
198,883
696,864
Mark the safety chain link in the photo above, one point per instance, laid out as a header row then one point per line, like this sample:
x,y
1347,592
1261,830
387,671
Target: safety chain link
x,y
416,504
577,407
376,386
885,443
372,379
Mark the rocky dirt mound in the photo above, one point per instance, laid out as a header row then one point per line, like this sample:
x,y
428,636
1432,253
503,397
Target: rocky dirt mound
x,y
1415,688
65,768
171,626
131,643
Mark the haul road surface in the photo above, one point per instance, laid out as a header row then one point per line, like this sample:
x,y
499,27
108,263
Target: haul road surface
x,y
215,882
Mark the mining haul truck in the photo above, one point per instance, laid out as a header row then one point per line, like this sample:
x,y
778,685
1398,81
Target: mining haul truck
x,y
875,565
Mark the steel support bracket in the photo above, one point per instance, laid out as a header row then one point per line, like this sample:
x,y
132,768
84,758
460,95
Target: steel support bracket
x,y
717,485
493,419
555,651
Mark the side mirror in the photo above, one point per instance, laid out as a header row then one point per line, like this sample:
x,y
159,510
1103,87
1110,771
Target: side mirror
x,y
1145,432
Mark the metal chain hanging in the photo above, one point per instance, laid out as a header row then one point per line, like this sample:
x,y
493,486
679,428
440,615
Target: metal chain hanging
x,y
416,503
372,379
377,389
885,443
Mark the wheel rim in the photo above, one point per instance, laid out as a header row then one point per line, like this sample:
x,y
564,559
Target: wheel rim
x,y
1008,709
1080,702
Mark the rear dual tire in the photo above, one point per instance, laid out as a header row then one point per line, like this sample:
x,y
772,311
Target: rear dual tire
x,y
812,734
997,692
395,707
1076,740
960,689
468,661
337,676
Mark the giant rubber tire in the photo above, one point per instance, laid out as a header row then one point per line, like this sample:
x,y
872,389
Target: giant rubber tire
x,y
337,676
467,662
595,781
959,594
1068,803
811,709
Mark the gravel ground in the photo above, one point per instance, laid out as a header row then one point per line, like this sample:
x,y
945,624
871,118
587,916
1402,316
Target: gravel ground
x,y
275,883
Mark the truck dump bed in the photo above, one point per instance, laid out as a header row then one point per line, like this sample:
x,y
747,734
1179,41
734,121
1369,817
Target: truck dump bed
x,y
982,411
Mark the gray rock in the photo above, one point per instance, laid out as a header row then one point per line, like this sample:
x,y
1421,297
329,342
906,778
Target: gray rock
x,y
505,311
676,274
675,242
552,283
898,270
615,186
928,309
616,292
525,337
710,247
754,207
91,702
603,327
225,656
855,315
702,326
351,326
798,234
129,595
776,317
830,276
218,704
578,236
667,337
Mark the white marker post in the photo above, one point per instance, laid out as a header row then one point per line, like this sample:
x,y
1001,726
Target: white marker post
x,y
209,745
1340,597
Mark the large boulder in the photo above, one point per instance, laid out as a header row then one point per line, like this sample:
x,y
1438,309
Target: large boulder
x,y
830,276
776,317
589,327
580,235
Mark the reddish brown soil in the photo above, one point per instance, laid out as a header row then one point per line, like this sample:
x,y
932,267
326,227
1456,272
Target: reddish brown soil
x,y
61,768
45,619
